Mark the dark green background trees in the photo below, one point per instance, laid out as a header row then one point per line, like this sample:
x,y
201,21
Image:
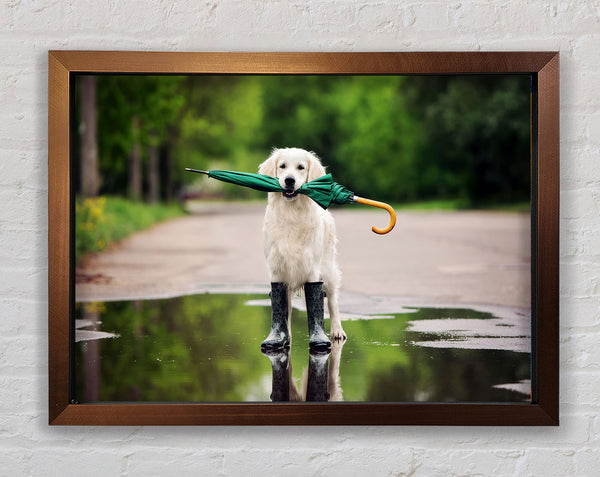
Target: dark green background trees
x,y
395,138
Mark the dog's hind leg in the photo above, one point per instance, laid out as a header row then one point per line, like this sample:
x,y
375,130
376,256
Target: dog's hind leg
x,y
290,295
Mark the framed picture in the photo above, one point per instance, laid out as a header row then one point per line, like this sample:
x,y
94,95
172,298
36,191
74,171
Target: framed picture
x,y
158,286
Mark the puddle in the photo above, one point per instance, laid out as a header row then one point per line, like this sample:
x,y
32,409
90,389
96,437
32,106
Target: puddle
x,y
206,348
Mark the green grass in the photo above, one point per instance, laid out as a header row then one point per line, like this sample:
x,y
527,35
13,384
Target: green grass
x,y
437,204
516,207
461,204
101,221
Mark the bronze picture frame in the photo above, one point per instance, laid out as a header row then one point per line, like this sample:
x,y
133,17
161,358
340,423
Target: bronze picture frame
x,y
542,410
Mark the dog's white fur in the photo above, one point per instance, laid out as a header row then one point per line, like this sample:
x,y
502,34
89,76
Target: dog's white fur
x,y
300,239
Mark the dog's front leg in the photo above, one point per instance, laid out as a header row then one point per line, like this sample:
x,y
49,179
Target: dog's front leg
x,y
279,336
337,332
318,340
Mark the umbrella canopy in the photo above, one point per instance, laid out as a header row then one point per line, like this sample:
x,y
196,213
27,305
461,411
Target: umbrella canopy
x,y
254,181
326,192
323,190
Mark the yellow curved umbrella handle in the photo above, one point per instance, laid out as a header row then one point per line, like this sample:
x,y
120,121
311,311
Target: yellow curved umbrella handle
x,y
381,205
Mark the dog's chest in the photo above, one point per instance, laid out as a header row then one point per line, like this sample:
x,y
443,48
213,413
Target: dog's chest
x,y
292,236
296,234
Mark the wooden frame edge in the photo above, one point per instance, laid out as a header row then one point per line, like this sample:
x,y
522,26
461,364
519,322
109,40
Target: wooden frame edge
x,y
548,145
301,62
303,414
58,236
63,63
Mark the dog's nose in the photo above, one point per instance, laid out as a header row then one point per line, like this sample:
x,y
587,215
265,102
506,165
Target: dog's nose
x,y
290,181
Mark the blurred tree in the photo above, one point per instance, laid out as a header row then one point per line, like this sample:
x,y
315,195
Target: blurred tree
x,y
134,172
409,138
358,125
378,142
399,138
222,118
153,169
169,191
90,180
298,112
135,113
478,134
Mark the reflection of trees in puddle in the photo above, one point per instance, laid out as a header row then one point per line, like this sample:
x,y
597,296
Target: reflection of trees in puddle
x,y
451,375
91,356
204,348
191,348
320,381
383,363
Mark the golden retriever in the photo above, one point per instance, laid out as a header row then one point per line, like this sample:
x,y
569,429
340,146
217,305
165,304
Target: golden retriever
x,y
299,236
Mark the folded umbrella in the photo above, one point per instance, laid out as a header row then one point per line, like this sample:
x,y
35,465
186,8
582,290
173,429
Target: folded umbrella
x,y
323,190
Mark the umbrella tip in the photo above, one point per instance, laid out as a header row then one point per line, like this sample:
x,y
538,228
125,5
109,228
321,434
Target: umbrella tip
x,y
196,170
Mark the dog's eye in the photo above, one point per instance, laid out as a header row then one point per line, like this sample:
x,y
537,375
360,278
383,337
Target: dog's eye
x,y
282,166
300,167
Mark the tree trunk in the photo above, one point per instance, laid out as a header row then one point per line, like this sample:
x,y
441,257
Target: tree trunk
x,y
134,186
153,171
169,164
89,174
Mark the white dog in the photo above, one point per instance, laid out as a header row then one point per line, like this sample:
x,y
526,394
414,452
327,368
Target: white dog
x,y
300,238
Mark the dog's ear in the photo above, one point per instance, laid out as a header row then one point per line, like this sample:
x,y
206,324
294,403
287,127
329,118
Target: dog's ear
x,y
269,167
315,168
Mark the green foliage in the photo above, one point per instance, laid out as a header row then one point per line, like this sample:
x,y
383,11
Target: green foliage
x,y
379,141
409,138
478,133
101,221
89,218
394,138
154,103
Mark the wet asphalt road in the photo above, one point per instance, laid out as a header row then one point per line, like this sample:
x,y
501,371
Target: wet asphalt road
x,y
430,258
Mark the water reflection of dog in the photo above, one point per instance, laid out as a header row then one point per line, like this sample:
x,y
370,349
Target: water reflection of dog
x,y
320,381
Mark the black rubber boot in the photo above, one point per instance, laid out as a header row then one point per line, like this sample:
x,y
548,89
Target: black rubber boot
x,y
318,376
279,337
317,338
280,365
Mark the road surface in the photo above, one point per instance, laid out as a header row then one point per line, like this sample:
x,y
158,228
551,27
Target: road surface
x,y
430,258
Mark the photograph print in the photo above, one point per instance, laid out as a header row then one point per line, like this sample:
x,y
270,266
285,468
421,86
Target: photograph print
x,y
222,253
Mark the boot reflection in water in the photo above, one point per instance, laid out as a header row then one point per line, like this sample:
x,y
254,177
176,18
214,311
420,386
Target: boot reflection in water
x,y
280,365
320,382
316,384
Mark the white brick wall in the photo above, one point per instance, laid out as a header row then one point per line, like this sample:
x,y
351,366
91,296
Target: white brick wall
x,y
28,29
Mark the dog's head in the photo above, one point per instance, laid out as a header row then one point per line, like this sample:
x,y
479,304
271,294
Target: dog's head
x,y
293,167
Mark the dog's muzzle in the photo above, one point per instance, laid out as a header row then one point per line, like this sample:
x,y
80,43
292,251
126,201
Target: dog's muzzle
x,y
289,192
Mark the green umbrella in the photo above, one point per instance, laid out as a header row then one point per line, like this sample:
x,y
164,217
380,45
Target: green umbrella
x,y
254,181
323,190
326,192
